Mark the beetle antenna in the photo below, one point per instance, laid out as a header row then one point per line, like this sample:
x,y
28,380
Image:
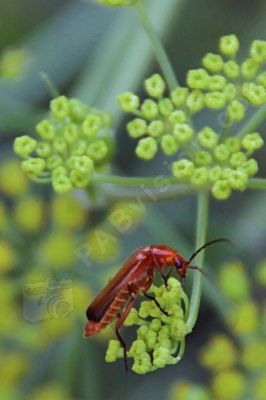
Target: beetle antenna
x,y
206,245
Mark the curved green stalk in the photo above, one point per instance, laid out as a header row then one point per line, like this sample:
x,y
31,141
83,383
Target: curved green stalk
x,y
159,50
202,222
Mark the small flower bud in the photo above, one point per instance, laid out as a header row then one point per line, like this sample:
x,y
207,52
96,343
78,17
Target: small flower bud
x,y
53,162
46,130
24,146
149,109
252,142
169,144
113,351
156,128
231,69
79,178
262,79
183,133
238,180
146,148
165,107
98,150
250,167
221,152
59,108
183,169
43,149
177,116
215,173
198,79
128,102
233,143
33,166
60,145
207,138
80,148
236,111
137,128
83,164
77,110
255,94
215,100
258,51
216,82
91,125
213,62
238,159
70,133
59,171
199,176
249,68
179,96
230,91
203,158
155,86
229,45
221,189
195,101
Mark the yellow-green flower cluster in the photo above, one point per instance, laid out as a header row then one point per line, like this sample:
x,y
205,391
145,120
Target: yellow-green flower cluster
x,y
160,338
225,83
215,160
116,3
222,167
160,120
73,142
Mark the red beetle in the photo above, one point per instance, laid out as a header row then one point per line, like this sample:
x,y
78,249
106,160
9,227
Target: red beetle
x,y
136,276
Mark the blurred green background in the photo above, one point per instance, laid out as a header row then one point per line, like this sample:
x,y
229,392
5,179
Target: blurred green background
x,y
95,53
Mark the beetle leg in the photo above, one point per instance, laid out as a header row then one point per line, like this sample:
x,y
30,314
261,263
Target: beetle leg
x,y
164,279
169,273
151,297
120,322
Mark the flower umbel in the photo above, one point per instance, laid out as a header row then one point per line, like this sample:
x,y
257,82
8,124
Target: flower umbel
x,y
74,141
160,339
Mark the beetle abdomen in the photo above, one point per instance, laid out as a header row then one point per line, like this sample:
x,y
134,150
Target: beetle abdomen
x,y
93,326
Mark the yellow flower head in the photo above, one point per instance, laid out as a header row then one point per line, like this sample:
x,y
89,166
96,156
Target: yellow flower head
x,y
13,180
68,212
220,353
8,257
29,213
228,385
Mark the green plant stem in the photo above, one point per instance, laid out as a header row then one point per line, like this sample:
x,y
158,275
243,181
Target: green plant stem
x,y
202,222
152,181
257,183
257,119
159,50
